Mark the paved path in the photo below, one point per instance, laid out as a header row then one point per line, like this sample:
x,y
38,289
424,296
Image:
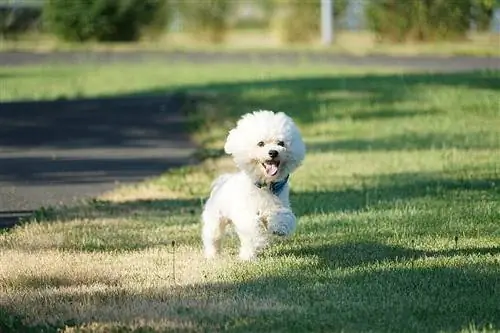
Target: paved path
x,y
434,63
59,152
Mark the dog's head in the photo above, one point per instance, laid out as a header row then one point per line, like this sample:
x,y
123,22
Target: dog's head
x,y
266,145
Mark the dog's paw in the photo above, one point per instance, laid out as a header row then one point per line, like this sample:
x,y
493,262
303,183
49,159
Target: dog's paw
x,y
247,255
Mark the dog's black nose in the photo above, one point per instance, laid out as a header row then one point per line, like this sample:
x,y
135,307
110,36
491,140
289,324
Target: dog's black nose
x,y
273,153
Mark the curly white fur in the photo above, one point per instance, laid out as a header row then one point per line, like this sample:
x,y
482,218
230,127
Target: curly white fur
x,y
267,147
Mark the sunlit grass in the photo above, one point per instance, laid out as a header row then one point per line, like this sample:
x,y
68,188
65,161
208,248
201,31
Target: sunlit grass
x,y
398,203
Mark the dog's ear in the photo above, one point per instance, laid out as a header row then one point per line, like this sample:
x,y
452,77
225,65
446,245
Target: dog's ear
x,y
229,147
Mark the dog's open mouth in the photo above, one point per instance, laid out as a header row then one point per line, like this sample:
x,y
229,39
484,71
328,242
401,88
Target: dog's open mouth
x,y
271,167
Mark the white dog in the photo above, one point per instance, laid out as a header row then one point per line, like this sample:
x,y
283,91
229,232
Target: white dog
x,y
267,147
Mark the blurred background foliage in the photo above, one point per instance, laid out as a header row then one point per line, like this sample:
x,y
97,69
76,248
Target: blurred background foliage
x,y
427,20
103,20
289,21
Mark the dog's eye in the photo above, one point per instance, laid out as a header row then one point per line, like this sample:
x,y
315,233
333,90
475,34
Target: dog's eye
x,y
261,144
281,143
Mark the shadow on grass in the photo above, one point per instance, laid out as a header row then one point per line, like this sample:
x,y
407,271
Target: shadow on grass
x,y
25,281
410,141
148,118
385,190
303,98
386,114
152,211
311,298
149,209
365,253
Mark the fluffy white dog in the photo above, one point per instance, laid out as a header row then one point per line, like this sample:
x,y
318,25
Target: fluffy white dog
x,y
267,147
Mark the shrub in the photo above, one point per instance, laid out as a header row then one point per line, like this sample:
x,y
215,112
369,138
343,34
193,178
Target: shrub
x,y
103,20
482,13
420,20
19,20
208,19
299,21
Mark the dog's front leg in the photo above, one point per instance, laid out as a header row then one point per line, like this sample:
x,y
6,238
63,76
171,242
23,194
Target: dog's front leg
x,y
282,222
251,237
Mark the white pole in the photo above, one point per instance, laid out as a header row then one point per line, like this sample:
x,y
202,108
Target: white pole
x,y
327,21
495,20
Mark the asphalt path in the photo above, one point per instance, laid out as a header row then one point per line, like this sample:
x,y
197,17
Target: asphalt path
x,y
60,152
431,63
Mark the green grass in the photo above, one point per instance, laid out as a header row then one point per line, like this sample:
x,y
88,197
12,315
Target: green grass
x,y
398,203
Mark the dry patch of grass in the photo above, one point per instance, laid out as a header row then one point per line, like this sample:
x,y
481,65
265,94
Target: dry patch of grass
x,y
133,288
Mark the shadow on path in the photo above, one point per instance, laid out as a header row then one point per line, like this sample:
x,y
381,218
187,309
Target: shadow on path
x,y
55,152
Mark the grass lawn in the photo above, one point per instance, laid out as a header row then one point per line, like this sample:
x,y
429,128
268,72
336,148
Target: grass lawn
x,y
398,203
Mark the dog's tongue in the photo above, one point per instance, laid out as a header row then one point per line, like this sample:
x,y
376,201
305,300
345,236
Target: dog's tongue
x,y
271,169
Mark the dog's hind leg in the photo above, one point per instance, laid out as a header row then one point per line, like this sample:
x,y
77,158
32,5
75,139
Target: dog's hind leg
x,y
213,230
